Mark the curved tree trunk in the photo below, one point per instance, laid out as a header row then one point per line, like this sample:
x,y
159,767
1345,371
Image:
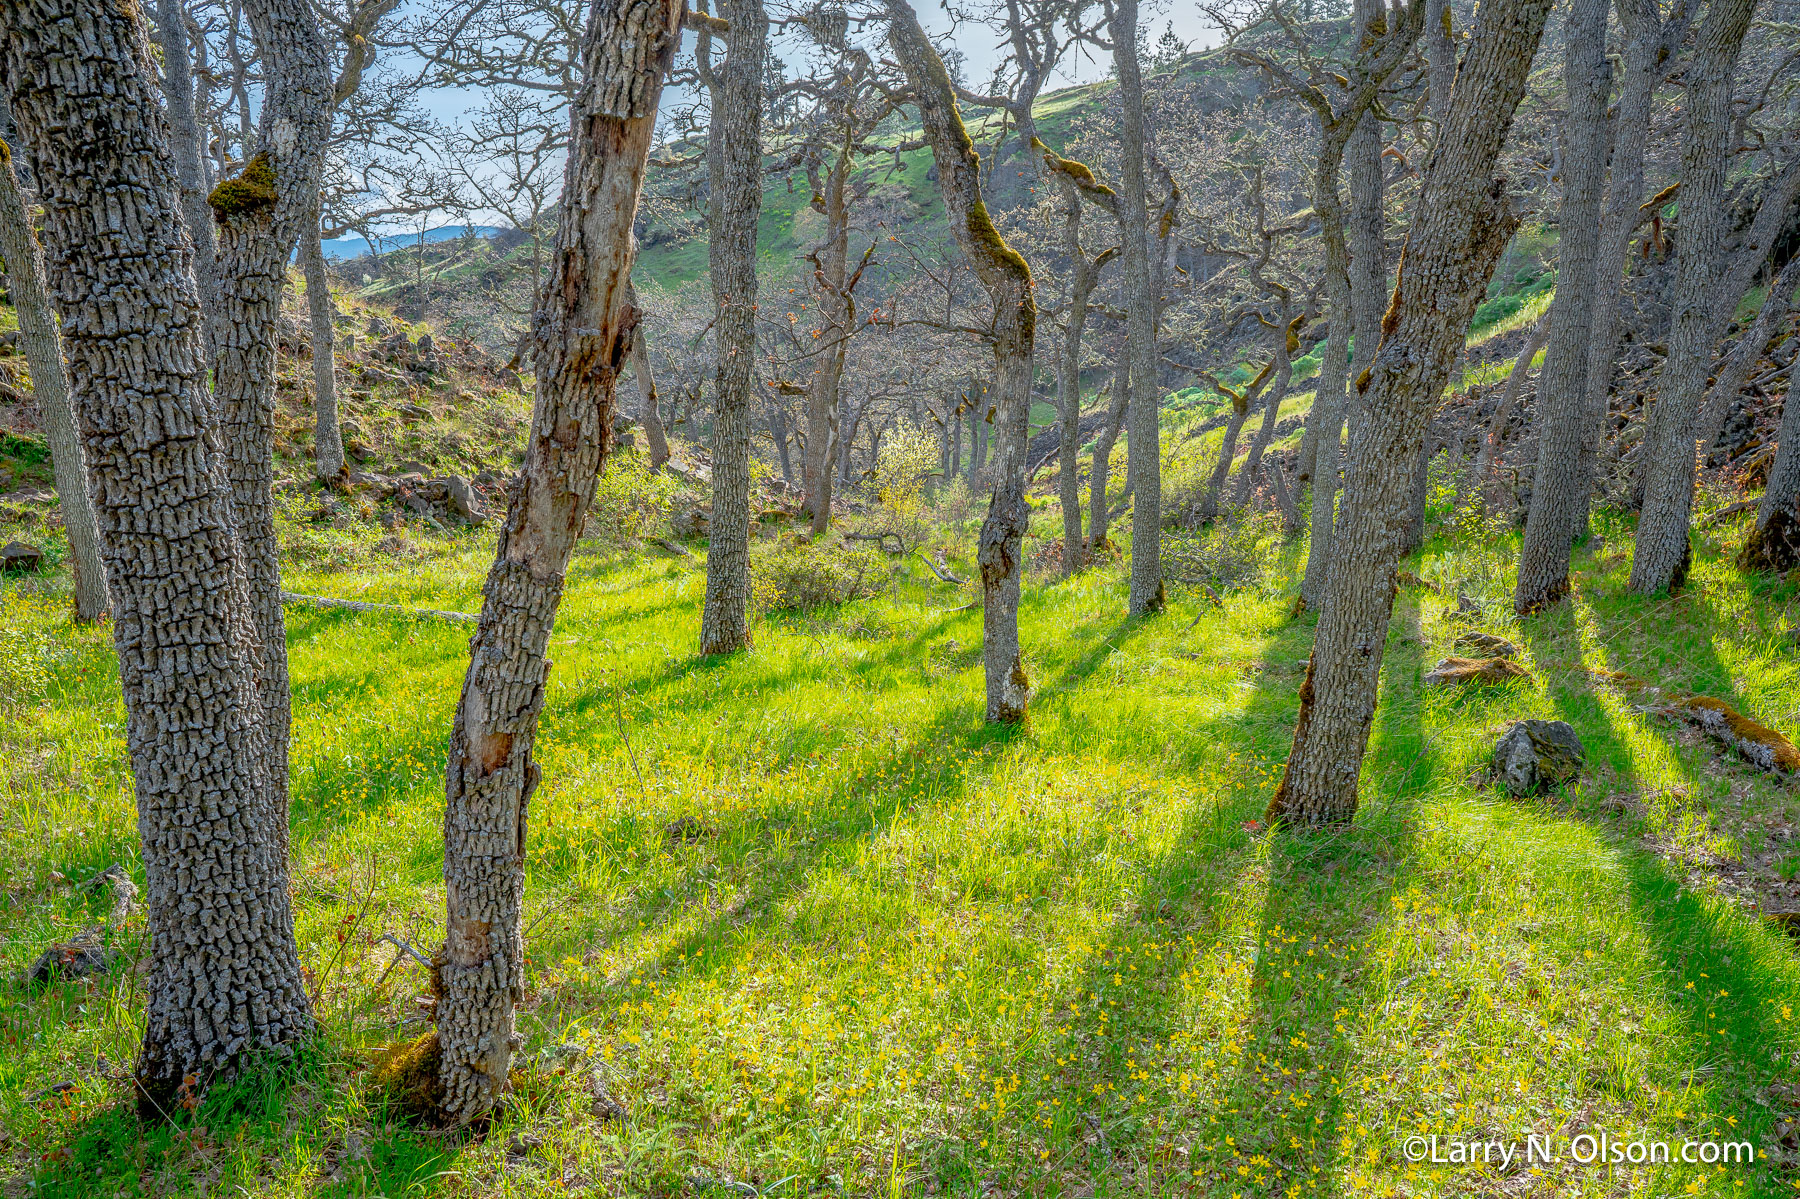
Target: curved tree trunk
x,y
328,440
1729,382
1558,491
1208,508
224,976
1489,452
649,411
582,339
1100,473
258,215
43,354
1661,555
1009,286
1144,433
188,154
1462,222
1287,340
1774,544
834,313
734,163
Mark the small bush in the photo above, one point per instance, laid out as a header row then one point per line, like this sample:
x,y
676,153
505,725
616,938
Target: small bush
x,y
791,577
1231,556
1492,312
631,500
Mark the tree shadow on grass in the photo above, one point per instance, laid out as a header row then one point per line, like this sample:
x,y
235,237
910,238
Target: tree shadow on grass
x,y
1732,979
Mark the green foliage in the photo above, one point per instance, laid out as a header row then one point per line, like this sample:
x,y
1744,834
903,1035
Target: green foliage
x,y
1230,555
250,189
798,576
631,501
31,451
23,676
907,458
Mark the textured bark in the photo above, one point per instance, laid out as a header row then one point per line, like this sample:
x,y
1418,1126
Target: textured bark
x,y
583,334
1365,233
258,215
1729,382
1327,413
1007,279
224,978
188,154
1287,340
1558,492
649,413
1496,430
328,440
1101,470
1144,432
49,384
1661,554
836,309
1648,43
1440,57
1412,535
734,167
1461,224
1774,544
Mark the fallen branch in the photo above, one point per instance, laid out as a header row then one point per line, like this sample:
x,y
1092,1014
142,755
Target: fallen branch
x,y
1728,511
964,608
673,547
1757,744
943,575
322,601
405,951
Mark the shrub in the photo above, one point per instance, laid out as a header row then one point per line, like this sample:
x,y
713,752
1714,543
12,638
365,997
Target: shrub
x,y
1492,312
1230,556
907,458
800,577
631,499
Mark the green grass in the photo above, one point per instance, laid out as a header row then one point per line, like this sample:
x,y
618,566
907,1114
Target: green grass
x,y
911,954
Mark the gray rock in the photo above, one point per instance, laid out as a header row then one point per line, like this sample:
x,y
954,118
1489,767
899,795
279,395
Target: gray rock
x,y
1488,644
464,501
16,555
1534,756
692,523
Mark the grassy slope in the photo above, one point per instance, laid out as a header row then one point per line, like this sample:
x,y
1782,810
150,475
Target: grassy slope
x,y
910,952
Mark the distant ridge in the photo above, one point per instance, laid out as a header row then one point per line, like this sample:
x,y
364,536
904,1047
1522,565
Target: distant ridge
x,y
356,247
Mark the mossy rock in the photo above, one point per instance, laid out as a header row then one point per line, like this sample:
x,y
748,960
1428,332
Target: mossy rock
x,y
406,1074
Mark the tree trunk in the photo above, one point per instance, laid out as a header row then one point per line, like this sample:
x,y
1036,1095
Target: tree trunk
x,y
734,164
1144,432
1084,276
1461,225
43,354
1774,544
778,433
835,310
187,150
1014,327
1101,471
1412,536
1366,233
1208,508
1557,489
224,976
954,469
328,440
1729,383
1648,43
649,413
1287,340
1440,57
258,214
583,336
1328,396
978,443
1661,554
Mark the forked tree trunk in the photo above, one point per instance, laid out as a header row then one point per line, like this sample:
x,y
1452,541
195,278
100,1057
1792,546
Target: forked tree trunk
x,y
734,165
1558,491
1287,340
328,439
1014,327
1661,554
582,340
1461,224
1241,405
1440,56
1144,432
1773,546
224,977
649,409
1100,473
43,354
188,155
258,214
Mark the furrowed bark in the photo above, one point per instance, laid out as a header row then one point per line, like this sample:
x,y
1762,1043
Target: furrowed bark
x,y
835,309
50,385
1144,432
1558,491
328,439
1773,546
258,214
734,165
1736,368
1366,232
1461,224
1007,279
583,335
1661,554
224,977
